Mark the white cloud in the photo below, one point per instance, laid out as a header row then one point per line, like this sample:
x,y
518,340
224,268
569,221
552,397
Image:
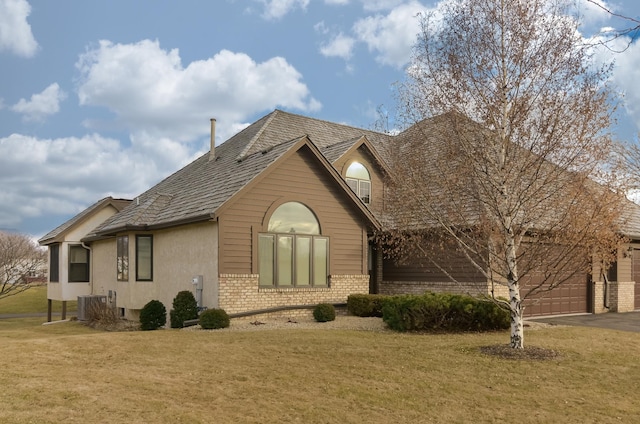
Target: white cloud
x,y
15,31
151,92
62,176
42,104
375,5
336,2
391,36
594,14
626,74
276,9
340,46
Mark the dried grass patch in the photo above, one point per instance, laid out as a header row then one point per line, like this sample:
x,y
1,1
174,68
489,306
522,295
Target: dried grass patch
x,y
71,373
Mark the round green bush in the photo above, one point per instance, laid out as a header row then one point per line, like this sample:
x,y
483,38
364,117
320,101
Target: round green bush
x,y
324,312
215,318
185,308
153,315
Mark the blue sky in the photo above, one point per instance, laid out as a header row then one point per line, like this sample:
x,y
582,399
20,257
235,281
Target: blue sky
x,y
107,98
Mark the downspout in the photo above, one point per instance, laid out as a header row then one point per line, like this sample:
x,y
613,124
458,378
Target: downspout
x,y
605,299
90,264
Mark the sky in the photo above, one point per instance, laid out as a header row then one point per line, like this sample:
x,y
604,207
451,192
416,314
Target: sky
x,y
107,98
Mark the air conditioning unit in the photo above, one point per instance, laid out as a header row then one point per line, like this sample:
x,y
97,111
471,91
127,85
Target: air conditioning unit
x,y
86,302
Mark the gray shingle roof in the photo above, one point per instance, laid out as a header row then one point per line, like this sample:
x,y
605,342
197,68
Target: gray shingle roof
x,y
198,190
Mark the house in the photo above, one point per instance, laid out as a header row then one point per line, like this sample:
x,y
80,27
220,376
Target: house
x,y
70,271
278,216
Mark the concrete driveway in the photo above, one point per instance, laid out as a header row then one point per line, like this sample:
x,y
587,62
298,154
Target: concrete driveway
x,y
627,321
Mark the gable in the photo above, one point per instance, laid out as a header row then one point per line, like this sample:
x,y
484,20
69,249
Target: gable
x,y
300,177
86,221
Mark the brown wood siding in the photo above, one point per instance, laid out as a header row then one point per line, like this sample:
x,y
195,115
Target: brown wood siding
x,y
298,178
377,177
455,263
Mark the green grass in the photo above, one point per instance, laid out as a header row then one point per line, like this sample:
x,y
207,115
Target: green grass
x,y
33,300
69,373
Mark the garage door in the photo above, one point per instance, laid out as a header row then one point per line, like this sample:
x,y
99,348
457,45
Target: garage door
x,y
571,297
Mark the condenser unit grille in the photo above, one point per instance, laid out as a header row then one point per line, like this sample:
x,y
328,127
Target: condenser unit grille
x,y
86,302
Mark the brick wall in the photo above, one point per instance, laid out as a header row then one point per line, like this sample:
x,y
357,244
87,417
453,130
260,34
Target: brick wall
x,y
622,296
598,298
241,293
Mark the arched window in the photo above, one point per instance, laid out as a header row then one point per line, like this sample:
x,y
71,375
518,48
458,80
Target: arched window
x,y
359,180
292,253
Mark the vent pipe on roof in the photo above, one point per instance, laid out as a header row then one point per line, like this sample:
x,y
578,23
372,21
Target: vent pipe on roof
x,y
212,152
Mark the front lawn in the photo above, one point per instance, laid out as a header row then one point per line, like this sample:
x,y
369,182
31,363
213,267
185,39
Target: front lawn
x,y
69,373
32,300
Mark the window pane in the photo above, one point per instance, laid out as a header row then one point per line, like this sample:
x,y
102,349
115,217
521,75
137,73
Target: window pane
x,y
54,262
293,217
303,261
144,258
353,184
78,273
285,260
77,254
365,191
78,264
122,244
358,170
265,259
320,257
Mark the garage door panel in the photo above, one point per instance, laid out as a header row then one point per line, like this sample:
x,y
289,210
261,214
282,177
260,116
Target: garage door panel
x,y
569,298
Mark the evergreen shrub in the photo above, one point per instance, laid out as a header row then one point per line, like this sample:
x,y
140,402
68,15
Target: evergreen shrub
x,y
153,315
443,312
185,308
214,318
324,312
365,305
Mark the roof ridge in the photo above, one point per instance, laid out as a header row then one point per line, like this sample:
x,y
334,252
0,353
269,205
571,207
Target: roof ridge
x,y
257,136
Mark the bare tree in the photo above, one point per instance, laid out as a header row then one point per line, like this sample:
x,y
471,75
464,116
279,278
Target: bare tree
x,y
21,259
509,132
629,156
628,31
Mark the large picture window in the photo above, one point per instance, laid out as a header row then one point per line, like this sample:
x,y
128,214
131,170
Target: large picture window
x,y
293,253
359,180
78,264
144,258
122,258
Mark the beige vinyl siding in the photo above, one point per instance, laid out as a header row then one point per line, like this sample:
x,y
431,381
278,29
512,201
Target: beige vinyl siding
x,y
298,178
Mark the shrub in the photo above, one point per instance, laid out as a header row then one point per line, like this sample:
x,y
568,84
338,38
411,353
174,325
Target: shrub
x,y
153,315
215,318
443,312
324,312
101,314
185,308
365,305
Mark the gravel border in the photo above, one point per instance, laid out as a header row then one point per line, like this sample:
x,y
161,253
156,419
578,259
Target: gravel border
x,y
340,323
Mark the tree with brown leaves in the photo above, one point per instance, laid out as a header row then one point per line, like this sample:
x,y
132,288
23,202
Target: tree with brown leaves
x,y
21,259
509,134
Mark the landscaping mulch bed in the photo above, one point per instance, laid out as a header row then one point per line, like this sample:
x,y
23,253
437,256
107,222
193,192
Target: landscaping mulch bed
x,y
505,351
